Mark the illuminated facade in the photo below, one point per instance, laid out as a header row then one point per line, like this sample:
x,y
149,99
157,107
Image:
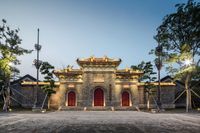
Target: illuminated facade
x,y
99,84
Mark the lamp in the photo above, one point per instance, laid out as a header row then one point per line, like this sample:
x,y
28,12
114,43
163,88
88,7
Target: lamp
x,y
187,62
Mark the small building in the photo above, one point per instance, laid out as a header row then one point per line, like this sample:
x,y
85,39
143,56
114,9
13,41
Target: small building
x,y
180,94
25,95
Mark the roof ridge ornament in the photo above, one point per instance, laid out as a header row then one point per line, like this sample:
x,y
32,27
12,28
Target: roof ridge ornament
x,y
102,61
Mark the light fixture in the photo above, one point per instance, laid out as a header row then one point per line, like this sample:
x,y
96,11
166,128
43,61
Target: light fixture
x,y
10,64
188,62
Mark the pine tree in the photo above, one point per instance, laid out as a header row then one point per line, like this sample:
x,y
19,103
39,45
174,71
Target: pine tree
x,y
47,70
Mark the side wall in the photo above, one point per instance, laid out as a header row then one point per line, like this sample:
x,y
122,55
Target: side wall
x,y
167,97
24,96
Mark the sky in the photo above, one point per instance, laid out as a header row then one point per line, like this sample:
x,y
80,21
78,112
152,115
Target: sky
x,y
71,29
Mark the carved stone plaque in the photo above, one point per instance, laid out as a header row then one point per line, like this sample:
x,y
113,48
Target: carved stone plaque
x,y
98,78
71,86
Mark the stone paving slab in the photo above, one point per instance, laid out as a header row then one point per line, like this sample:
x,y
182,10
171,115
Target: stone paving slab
x,y
99,121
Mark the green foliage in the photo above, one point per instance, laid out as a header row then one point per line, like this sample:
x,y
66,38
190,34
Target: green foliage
x,y
196,76
47,70
148,76
179,36
9,51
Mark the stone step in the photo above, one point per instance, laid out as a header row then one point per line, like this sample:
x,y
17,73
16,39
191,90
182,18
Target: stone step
x,y
99,108
71,108
108,108
86,108
125,109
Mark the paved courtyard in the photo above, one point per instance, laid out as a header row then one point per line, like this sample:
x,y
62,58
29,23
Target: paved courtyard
x,y
99,121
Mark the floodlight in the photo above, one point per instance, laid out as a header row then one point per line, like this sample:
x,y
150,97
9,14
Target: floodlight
x,y
188,62
10,64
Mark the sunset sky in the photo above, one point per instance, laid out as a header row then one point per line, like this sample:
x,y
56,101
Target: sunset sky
x,y
71,29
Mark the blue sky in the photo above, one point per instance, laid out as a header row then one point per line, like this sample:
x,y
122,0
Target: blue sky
x,y
71,29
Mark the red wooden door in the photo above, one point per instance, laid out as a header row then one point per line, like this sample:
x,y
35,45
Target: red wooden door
x,y
125,99
98,97
71,98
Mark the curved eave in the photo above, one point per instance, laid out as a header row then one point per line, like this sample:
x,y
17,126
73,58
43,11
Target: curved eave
x,y
128,73
62,72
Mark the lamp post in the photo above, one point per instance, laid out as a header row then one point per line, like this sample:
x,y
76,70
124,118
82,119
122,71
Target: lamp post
x,y
158,64
37,64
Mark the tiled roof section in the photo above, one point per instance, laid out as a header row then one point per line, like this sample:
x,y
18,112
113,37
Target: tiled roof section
x,y
68,71
170,79
27,77
98,61
167,78
129,71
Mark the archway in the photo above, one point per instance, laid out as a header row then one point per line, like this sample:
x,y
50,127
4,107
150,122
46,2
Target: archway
x,y
98,97
71,98
125,99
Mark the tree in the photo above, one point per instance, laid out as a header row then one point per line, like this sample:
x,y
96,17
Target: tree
x,y
47,70
179,37
10,50
148,77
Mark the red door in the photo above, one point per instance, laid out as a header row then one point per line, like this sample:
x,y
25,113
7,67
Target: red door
x,y
125,99
71,98
98,97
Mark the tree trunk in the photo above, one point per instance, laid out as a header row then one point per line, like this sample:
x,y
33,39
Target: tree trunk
x,y
188,94
48,102
148,101
6,96
5,104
